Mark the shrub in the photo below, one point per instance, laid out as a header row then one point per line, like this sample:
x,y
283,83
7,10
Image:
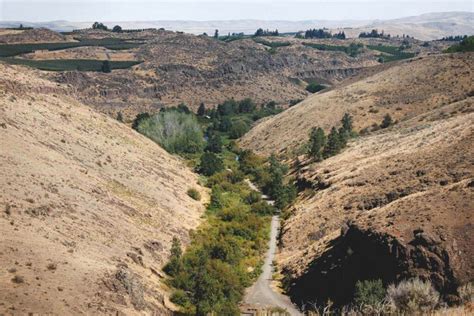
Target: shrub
x,y
179,297
314,87
369,292
413,296
238,129
194,194
210,164
175,131
466,293
387,121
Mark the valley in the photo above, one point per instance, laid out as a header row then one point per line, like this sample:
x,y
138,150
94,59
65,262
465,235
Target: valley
x,y
160,172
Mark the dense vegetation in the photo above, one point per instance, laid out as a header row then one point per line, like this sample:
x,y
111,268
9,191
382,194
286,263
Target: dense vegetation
x,y
272,44
321,33
262,32
71,64
225,254
374,34
466,45
314,87
9,50
452,38
175,131
392,53
352,50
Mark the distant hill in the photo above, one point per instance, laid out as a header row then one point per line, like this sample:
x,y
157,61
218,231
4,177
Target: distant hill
x,y
425,27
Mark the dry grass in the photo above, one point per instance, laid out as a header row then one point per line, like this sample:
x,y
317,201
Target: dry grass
x,y
85,194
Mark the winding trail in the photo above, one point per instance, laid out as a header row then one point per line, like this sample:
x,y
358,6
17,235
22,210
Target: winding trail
x,y
261,294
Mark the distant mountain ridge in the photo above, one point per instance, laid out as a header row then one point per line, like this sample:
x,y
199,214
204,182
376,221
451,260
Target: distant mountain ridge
x,y
427,26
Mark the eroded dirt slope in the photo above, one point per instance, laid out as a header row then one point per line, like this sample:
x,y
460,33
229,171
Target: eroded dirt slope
x,y
404,90
88,207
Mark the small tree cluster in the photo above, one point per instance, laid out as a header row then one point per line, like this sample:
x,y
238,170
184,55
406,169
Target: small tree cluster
x,y
322,147
374,34
323,33
99,26
262,32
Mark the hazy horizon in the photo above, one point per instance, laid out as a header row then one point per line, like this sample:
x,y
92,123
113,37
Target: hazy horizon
x,y
186,10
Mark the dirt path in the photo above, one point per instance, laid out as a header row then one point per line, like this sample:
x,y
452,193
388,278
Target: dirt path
x,y
261,294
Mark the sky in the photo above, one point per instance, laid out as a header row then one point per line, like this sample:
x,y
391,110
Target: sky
x,y
205,10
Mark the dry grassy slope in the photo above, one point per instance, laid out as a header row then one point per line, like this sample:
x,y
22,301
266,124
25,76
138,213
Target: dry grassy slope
x,y
88,206
31,36
405,90
418,175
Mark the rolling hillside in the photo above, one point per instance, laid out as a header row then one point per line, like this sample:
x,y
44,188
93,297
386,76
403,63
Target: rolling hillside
x,y
396,203
404,91
88,206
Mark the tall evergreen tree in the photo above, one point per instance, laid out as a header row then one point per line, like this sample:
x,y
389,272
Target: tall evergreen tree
x,y
216,34
201,110
317,141
347,123
333,145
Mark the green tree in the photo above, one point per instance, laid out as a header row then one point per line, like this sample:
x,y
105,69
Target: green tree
x,y
174,266
387,121
106,66
246,106
317,141
139,118
259,32
210,164
333,145
369,292
201,110
214,143
347,123
238,129
216,34
117,29
175,131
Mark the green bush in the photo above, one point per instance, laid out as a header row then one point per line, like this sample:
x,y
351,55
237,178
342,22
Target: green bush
x,y
369,292
314,87
238,129
210,164
175,131
194,194
466,45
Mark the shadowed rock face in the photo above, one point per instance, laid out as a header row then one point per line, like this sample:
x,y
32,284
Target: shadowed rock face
x,y
368,254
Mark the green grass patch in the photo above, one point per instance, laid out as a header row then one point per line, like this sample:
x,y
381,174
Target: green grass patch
x,y
9,50
271,44
352,50
394,52
69,64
